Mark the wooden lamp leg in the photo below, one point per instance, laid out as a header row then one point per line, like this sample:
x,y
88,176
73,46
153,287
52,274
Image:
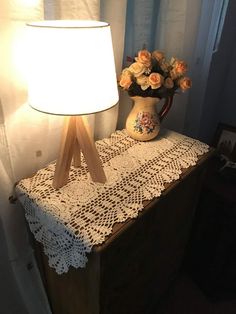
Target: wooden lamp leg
x,y
77,155
89,150
65,154
76,137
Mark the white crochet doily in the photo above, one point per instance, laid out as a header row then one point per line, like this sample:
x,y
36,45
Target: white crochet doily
x,y
71,220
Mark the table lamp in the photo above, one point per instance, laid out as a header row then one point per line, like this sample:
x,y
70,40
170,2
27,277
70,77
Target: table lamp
x,y
71,72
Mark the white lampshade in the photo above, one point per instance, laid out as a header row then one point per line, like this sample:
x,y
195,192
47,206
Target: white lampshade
x,y
71,69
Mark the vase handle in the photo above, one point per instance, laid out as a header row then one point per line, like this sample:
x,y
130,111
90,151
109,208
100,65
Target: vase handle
x,y
166,107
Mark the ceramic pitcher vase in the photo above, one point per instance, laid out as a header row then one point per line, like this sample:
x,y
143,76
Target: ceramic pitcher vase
x,y
143,122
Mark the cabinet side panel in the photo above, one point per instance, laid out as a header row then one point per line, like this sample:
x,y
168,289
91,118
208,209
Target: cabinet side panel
x,y
139,264
74,292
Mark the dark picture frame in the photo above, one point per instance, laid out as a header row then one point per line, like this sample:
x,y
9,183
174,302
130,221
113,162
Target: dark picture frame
x,y
225,141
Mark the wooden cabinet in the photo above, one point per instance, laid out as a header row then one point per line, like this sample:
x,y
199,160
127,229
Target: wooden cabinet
x,y
135,266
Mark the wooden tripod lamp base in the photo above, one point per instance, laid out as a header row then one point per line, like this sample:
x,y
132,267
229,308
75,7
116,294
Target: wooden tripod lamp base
x,y
76,138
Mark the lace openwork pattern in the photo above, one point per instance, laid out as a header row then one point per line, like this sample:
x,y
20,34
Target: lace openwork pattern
x,y
71,220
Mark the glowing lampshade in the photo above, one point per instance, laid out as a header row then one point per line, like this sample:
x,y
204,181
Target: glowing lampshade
x,y
71,67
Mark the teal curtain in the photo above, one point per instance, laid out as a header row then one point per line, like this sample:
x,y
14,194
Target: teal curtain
x,y
141,26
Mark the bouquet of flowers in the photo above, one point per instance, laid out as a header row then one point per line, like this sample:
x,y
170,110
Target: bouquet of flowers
x,y
151,75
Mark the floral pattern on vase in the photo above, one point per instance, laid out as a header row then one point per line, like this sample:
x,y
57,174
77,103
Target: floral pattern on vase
x,y
145,122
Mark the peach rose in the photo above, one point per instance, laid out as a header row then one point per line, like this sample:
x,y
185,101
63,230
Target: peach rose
x,y
180,67
155,80
169,83
125,80
143,82
144,57
158,55
185,83
137,69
